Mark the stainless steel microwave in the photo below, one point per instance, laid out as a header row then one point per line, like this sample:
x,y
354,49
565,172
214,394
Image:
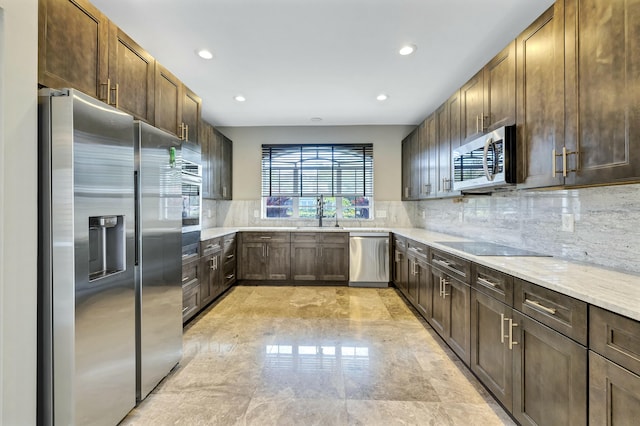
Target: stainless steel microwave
x,y
486,163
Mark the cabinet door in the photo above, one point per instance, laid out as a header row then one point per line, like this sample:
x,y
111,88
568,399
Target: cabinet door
x,y
603,94
436,307
472,99
412,280
549,376
226,169
614,393
540,99
443,150
422,276
168,107
334,262
406,168
400,270
206,281
190,117
131,73
72,46
278,261
252,263
304,261
207,153
430,156
416,164
500,89
491,359
457,297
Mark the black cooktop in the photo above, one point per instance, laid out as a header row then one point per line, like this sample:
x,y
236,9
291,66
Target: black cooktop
x,y
479,248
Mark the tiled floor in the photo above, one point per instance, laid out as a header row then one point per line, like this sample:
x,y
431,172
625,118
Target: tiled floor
x,y
315,356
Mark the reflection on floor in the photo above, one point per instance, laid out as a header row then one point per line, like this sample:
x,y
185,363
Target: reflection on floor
x,y
316,356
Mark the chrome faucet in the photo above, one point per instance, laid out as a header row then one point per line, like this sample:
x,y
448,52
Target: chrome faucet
x,y
320,209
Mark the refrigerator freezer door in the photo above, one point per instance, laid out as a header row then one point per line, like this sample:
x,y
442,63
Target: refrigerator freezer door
x,y
92,317
159,271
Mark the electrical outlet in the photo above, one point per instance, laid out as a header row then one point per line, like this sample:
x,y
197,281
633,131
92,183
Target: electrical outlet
x,y
568,222
460,217
256,213
381,214
423,213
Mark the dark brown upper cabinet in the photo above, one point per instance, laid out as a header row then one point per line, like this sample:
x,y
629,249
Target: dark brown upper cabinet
x,y
500,89
472,107
177,108
540,99
72,46
131,76
217,158
602,92
488,98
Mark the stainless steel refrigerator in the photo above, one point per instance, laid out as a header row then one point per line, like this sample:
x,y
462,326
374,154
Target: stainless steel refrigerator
x,y
88,266
159,255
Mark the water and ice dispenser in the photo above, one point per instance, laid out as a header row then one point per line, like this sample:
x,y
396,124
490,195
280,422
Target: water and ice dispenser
x,y
106,246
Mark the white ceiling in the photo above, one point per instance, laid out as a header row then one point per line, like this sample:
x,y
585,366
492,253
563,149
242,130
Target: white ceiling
x,y
297,59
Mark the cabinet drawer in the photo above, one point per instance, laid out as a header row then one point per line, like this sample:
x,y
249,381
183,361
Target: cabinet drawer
x,y
558,311
190,272
229,248
399,243
461,268
615,337
493,283
614,393
190,300
418,250
266,237
208,247
304,237
334,237
229,274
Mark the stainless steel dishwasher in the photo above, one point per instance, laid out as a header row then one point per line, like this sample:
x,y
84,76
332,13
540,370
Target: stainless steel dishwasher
x,y
369,259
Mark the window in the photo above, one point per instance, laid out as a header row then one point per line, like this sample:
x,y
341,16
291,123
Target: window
x,y
295,176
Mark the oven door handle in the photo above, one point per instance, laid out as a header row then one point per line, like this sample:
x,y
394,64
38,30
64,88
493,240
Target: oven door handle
x,y
485,160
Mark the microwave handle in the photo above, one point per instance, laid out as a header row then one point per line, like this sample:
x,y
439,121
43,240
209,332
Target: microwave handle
x,y
485,162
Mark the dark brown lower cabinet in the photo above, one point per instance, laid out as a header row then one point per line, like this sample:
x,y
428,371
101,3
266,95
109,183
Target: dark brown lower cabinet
x,y
549,375
614,393
400,266
278,261
418,283
449,311
491,358
320,257
211,281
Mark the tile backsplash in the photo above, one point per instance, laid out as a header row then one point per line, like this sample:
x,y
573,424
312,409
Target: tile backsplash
x,y
243,213
606,222
606,229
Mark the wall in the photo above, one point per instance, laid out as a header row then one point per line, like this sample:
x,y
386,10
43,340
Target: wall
x,y
18,210
606,232
247,143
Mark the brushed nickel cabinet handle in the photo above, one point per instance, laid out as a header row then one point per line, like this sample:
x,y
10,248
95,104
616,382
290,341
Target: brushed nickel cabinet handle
x,y
114,90
553,162
185,279
564,161
185,309
511,342
265,238
486,283
502,336
538,306
477,125
229,276
106,99
231,256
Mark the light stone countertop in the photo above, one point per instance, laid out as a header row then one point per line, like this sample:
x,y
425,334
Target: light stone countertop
x,y
613,290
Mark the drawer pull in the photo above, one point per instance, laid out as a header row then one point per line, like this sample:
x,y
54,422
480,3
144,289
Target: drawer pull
x,y
265,238
229,276
511,325
185,309
539,306
486,283
502,336
185,279
230,257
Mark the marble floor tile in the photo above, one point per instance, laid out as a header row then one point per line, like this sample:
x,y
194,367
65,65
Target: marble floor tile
x,y
265,355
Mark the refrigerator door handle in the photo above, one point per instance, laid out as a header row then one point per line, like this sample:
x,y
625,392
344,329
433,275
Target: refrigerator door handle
x,y
136,214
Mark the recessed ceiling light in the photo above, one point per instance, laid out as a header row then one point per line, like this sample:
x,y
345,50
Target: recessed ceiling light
x,y
408,49
239,98
316,119
382,97
205,54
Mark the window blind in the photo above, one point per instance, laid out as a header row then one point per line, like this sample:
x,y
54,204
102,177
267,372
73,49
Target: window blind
x,y
312,170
